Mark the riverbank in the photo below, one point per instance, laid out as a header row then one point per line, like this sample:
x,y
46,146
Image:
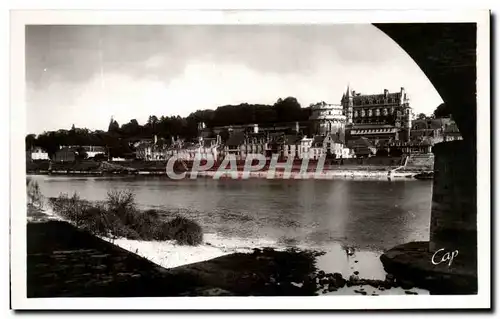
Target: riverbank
x,y
313,169
230,266
368,172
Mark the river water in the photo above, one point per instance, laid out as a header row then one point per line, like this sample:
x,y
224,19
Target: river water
x,y
371,215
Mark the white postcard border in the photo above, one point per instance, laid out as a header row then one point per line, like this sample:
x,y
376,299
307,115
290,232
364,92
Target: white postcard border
x,y
18,131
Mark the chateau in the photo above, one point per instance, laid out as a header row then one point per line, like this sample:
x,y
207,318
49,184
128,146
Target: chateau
x,y
378,117
362,125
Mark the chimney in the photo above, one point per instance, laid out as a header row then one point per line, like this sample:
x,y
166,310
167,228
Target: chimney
x,y
386,92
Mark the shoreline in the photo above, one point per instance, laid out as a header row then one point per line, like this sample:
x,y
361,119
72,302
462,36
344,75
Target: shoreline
x,y
333,259
330,174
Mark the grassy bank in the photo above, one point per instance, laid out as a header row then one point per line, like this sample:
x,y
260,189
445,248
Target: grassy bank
x,y
119,217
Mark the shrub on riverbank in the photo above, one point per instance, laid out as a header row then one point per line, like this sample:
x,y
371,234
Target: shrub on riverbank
x,y
185,231
35,197
119,216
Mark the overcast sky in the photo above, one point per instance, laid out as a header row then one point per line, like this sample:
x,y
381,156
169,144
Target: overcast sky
x,y
83,75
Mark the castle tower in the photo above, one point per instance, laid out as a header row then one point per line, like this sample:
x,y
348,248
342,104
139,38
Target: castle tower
x,y
405,118
347,104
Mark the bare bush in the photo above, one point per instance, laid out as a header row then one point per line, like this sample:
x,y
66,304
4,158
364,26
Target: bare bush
x,y
185,231
34,195
119,217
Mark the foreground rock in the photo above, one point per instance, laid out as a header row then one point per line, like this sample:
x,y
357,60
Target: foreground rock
x,y
411,266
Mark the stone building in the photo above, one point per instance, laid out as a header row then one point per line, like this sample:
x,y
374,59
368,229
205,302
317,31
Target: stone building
x,y
435,130
327,119
377,117
65,154
291,146
319,145
38,154
282,127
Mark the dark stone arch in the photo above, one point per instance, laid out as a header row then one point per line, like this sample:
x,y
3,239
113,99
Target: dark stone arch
x,y
447,54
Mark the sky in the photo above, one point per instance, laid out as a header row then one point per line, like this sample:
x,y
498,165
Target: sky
x,y
84,75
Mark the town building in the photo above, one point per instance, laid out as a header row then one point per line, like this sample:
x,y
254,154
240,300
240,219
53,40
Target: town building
x,y
149,151
328,146
291,146
38,154
377,117
203,148
284,127
435,130
91,150
65,154
362,147
241,145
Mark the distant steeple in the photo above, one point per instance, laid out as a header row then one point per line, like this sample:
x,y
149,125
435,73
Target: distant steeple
x,y
348,93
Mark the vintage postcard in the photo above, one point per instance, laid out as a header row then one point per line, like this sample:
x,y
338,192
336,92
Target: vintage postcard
x,y
299,159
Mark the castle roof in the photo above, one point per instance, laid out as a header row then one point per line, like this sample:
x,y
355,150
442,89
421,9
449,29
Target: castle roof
x,y
395,95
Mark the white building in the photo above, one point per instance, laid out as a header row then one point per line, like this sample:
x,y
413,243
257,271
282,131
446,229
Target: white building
x,y
91,150
315,148
305,147
38,154
206,148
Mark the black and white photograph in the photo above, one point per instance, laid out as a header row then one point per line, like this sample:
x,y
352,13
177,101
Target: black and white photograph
x,y
342,158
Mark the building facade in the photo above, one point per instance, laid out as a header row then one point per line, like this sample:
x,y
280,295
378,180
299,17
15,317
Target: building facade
x,y
39,154
327,119
377,117
323,146
434,130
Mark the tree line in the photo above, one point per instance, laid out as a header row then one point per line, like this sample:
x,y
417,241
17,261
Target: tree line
x,y
118,138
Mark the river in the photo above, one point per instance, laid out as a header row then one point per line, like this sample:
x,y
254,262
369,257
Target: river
x,y
372,215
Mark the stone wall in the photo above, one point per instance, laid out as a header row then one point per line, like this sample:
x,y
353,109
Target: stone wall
x,y
423,161
454,211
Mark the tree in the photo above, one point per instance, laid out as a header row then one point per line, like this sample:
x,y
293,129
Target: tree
x,y
421,116
131,129
224,135
287,110
382,152
152,120
30,141
49,141
442,110
395,152
113,127
81,153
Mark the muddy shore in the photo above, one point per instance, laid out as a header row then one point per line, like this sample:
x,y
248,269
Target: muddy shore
x,y
64,261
